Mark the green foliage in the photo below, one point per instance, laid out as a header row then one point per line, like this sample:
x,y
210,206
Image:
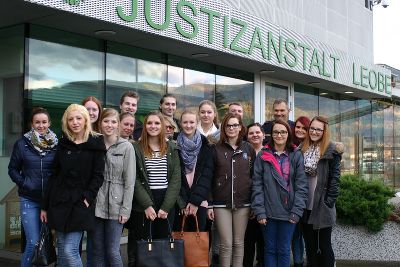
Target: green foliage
x,y
362,202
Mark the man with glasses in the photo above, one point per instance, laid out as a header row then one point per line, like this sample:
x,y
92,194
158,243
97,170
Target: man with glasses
x,y
281,112
129,103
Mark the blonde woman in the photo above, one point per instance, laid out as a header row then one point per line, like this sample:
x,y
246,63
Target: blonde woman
x,y
114,200
69,203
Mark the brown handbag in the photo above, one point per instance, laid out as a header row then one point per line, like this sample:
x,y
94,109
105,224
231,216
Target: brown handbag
x,y
196,245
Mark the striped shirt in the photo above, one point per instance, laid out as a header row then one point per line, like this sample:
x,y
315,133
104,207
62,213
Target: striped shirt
x,y
157,172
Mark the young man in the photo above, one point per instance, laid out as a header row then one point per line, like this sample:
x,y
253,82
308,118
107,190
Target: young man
x,y
129,103
236,109
281,112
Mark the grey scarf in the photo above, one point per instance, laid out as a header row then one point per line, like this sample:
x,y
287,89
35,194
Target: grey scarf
x,y
189,148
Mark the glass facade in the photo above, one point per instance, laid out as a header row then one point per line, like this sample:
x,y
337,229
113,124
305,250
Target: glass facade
x,y
11,128
51,68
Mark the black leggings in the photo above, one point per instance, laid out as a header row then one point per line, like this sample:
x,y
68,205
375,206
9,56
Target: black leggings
x,y
318,246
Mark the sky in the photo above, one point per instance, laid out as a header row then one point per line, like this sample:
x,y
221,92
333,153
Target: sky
x,y
387,34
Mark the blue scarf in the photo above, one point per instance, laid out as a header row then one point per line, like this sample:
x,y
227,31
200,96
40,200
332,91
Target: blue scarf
x,y
189,148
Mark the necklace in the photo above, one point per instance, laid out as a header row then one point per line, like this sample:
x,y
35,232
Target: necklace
x,y
156,154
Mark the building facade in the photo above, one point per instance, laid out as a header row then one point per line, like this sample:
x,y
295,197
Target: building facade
x,y
316,54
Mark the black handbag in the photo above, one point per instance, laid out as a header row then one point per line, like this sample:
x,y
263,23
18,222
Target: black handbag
x,y
45,252
167,252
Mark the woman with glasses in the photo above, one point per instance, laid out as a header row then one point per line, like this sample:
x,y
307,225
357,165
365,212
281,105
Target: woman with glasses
x,y
279,193
169,128
253,240
231,189
322,166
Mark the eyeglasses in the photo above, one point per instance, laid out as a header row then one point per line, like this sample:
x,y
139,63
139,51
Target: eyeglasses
x,y
317,130
169,127
232,126
277,133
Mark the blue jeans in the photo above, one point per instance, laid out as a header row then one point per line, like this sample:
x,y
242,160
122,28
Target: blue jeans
x,y
298,245
30,218
277,237
68,249
106,238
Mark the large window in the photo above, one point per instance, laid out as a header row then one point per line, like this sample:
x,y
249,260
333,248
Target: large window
x,y
305,101
60,74
11,129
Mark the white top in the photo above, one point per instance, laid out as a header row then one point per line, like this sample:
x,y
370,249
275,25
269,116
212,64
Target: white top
x,y
212,130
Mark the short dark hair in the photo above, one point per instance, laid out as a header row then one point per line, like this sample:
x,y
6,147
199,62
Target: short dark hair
x,y
39,110
132,94
167,95
289,142
235,104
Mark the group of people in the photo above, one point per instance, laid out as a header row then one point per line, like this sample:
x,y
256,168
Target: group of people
x,y
258,189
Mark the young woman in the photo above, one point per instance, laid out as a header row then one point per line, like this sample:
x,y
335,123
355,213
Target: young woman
x,y
114,199
253,238
31,165
208,119
69,204
301,126
169,128
231,189
322,166
93,106
279,193
158,180
126,125
197,171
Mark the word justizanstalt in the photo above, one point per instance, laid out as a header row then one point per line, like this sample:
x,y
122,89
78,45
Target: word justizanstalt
x,y
235,35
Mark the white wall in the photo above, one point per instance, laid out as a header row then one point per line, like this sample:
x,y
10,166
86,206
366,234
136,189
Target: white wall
x,y
344,24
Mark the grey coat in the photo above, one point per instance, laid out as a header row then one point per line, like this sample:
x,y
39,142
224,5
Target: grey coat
x,y
115,196
271,197
323,212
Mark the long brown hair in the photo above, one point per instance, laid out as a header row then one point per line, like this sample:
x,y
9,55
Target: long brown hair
x,y
95,125
242,133
325,139
144,138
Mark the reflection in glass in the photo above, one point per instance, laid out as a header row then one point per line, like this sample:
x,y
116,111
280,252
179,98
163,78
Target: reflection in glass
x,y
365,146
396,145
273,92
120,77
329,107
234,90
197,86
389,146
305,101
348,134
56,79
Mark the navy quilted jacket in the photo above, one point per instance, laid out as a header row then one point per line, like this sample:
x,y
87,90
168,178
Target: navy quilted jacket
x,y
29,170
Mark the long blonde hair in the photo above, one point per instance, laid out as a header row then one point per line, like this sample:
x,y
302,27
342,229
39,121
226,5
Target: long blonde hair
x,y
325,139
64,122
144,139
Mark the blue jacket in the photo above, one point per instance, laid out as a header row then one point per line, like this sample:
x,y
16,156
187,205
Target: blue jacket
x,y
271,197
29,170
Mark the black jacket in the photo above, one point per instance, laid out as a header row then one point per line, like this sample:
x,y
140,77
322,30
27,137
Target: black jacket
x,y
137,131
30,170
78,176
203,174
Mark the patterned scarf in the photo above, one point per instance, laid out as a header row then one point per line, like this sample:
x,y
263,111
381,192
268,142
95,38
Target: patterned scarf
x,y
189,149
42,143
311,158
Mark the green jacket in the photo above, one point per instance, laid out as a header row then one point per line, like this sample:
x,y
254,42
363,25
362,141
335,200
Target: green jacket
x,y
143,197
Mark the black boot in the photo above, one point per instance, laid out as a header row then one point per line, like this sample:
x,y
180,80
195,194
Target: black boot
x,y
298,265
215,260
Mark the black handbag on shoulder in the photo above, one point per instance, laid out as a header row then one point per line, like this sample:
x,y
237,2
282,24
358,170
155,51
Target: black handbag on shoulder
x,y
45,252
167,252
